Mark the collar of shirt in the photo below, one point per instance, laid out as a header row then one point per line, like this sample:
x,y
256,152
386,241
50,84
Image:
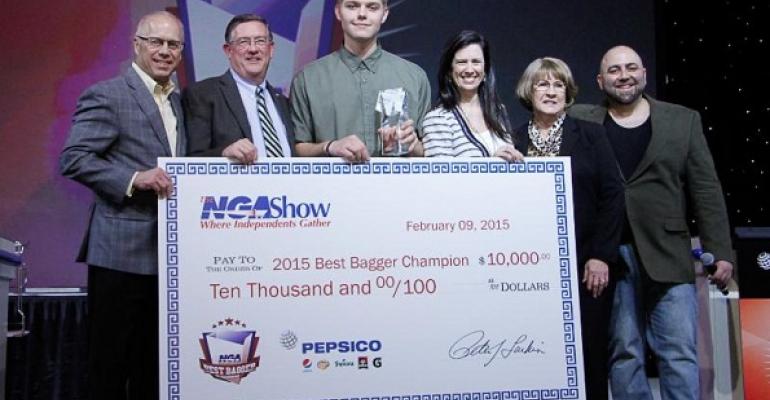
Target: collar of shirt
x,y
154,87
250,87
354,62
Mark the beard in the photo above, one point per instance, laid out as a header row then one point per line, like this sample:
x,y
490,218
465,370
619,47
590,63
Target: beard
x,y
625,97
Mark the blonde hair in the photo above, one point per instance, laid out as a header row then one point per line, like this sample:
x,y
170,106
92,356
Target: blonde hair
x,y
542,68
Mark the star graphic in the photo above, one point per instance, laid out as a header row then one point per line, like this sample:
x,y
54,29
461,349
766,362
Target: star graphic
x,y
228,322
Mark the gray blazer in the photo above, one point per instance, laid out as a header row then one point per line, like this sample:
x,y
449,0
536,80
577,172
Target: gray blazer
x,y
676,172
117,130
216,118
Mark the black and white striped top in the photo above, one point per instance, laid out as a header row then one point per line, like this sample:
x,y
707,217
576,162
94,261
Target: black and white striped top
x,y
443,135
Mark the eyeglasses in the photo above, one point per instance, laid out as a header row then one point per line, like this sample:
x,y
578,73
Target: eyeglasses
x,y
557,86
244,42
155,43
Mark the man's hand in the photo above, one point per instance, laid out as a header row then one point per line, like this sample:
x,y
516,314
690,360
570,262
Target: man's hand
x,y
351,148
405,134
242,151
154,179
596,276
389,136
509,153
723,273
408,137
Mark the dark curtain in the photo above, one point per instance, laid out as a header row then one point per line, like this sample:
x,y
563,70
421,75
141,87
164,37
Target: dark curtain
x,y
50,362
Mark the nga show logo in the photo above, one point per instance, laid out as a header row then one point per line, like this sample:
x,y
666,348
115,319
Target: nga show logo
x,y
255,212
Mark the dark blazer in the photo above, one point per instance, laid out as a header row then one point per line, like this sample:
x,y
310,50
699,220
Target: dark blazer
x,y
597,189
216,118
676,169
117,130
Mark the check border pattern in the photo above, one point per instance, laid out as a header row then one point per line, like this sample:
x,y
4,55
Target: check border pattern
x,y
179,169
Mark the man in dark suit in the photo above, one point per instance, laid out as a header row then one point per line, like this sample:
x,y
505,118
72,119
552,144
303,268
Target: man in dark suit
x,y
667,168
120,128
238,114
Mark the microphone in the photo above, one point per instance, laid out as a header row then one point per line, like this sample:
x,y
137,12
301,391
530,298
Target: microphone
x,y
707,259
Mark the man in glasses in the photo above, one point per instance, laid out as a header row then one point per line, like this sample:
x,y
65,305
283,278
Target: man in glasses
x,y
333,100
120,127
238,114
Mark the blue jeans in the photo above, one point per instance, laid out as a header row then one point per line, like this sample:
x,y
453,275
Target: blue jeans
x,y
665,316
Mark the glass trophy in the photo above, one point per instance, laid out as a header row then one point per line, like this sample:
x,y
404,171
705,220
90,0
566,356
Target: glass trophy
x,y
393,112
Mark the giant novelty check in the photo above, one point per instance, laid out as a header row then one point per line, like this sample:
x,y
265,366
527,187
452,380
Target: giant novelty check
x,y
394,279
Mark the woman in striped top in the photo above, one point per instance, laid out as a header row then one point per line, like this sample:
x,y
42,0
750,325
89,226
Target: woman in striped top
x,y
469,120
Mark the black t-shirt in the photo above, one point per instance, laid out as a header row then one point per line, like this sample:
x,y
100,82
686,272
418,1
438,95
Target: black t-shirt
x,y
629,144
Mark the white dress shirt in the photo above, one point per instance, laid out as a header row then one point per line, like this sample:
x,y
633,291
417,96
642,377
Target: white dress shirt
x,y
248,92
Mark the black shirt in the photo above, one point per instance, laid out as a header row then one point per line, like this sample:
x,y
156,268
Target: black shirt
x,y
629,144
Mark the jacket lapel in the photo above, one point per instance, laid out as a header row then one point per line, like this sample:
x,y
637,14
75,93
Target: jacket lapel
x,y
521,139
234,103
597,115
283,112
657,139
148,106
569,137
280,105
181,138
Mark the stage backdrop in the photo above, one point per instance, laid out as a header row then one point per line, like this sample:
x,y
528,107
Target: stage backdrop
x,y
53,51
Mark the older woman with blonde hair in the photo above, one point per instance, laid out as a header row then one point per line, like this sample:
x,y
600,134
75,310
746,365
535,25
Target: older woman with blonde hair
x,y
547,89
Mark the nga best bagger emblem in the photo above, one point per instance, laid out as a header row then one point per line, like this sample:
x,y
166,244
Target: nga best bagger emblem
x,y
229,350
